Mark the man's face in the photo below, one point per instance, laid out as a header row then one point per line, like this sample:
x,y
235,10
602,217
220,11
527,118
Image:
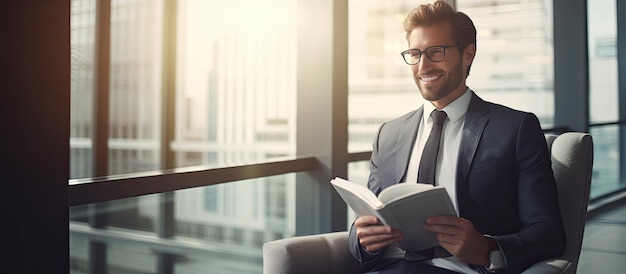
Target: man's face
x,y
439,82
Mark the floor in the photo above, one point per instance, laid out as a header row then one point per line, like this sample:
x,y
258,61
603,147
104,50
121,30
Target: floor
x,y
604,243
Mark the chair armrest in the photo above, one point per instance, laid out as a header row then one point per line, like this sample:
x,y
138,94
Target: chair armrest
x,y
554,265
322,253
329,253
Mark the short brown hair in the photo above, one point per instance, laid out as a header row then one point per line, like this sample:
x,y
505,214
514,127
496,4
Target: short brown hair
x,y
463,29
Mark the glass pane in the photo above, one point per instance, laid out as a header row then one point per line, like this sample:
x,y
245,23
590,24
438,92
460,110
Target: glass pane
x,y
377,75
602,35
236,81
83,21
603,96
606,161
127,258
136,59
514,63
79,255
217,229
135,85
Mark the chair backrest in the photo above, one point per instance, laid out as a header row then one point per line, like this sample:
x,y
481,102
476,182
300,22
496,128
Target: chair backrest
x,y
572,163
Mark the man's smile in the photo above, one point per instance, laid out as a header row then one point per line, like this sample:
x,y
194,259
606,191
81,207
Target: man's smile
x,y
430,77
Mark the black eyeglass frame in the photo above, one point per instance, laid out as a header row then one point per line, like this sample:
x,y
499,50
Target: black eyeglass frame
x,y
425,51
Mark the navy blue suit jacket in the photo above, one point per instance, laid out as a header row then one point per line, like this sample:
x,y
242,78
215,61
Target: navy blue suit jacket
x,y
504,180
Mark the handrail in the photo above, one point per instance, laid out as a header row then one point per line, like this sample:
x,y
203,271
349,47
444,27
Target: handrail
x,y
359,156
618,122
102,189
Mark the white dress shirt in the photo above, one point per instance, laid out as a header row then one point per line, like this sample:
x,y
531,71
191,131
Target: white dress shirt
x,y
445,173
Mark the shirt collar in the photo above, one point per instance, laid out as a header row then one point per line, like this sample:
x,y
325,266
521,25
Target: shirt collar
x,y
455,110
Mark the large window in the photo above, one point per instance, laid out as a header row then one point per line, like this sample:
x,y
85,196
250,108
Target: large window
x,y
186,83
234,82
514,63
380,83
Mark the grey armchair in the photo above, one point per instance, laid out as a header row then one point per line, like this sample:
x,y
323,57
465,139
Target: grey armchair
x,y
572,161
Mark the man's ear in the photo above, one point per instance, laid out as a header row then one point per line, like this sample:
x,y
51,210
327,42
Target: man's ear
x,y
468,54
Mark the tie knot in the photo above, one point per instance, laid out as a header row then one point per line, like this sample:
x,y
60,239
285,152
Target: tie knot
x,y
438,116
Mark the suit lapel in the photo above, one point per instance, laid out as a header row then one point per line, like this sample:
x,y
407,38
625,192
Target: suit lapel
x,y
475,122
405,142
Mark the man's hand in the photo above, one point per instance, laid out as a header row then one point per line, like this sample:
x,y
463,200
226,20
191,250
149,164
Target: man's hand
x,y
459,237
373,236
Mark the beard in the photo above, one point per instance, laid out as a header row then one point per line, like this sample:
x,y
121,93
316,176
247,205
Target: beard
x,y
451,81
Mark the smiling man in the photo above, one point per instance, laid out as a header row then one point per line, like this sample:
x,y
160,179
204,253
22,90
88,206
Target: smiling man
x,y
492,160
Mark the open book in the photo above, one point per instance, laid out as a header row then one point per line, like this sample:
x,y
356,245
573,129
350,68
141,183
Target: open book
x,y
402,206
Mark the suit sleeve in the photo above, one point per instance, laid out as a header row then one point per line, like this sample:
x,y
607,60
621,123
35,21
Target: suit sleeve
x,y
366,259
541,235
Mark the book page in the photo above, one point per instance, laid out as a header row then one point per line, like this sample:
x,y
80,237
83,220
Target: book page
x,y
351,191
399,191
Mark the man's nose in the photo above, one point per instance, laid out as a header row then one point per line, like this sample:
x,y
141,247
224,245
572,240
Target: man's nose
x,y
424,63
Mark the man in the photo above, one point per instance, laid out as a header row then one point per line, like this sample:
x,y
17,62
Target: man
x,y
492,160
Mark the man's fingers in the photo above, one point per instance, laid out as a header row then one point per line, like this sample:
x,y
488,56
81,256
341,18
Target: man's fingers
x,y
450,221
377,242
366,221
443,229
373,235
447,238
374,230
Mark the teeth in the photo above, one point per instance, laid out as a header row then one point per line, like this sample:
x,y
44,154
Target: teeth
x,y
430,78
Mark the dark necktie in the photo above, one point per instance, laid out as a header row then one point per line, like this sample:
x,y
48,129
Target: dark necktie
x,y
428,163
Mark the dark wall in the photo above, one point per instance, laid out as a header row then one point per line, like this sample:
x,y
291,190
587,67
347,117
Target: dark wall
x,y
34,135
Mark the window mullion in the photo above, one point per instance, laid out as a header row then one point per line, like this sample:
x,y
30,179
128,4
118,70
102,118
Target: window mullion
x,y
100,128
165,222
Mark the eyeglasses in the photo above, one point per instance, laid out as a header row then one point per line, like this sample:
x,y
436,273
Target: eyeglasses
x,y
434,54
